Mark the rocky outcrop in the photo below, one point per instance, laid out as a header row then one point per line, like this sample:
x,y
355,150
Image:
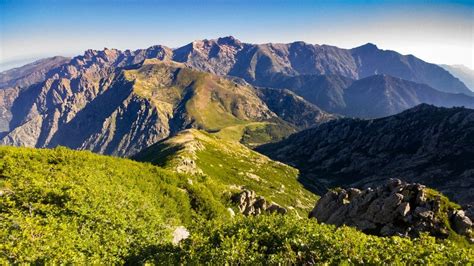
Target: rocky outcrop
x,y
461,223
426,144
396,208
251,204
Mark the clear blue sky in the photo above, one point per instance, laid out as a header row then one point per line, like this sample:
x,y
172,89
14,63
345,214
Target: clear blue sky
x,y
436,31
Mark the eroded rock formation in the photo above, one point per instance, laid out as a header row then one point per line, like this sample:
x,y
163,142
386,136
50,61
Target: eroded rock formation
x,y
251,204
396,208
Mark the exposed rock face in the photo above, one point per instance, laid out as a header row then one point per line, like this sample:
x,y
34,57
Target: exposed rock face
x,y
426,144
127,110
251,204
122,114
461,223
396,208
262,64
100,102
31,73
7,97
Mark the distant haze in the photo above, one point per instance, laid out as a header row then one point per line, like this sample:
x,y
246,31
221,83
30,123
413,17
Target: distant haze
x,y
440,32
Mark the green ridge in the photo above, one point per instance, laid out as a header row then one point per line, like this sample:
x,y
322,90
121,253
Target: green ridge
x,y
233,165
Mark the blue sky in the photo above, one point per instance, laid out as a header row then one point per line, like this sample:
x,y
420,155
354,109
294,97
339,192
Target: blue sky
x,y
436,31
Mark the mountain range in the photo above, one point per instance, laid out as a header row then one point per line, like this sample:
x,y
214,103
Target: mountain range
x,y
465,74
119,102
121,110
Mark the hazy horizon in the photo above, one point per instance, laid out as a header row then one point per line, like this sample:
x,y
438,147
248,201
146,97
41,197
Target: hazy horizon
x,y
439,32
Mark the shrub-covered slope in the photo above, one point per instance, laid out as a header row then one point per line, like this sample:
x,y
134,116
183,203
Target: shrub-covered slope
x,y
231,163
68,206
62,206
286,240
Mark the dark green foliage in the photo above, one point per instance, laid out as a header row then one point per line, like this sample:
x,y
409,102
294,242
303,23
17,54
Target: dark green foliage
x,y
266,134
289,240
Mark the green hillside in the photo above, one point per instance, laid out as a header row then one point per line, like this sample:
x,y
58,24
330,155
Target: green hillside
x,y
231,164
70,206
63,206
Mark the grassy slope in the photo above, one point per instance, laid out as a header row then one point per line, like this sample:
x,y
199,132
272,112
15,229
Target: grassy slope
x,y
232,164
63,205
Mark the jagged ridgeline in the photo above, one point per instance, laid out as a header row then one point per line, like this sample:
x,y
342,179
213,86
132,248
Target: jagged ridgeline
x,y
123,110
108,101
197,193
64,206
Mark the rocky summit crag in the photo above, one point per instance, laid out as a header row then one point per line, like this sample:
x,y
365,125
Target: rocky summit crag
x,y
396,208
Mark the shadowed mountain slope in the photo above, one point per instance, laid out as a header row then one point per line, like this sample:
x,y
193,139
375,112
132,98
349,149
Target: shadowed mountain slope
x,y
383,95
426,144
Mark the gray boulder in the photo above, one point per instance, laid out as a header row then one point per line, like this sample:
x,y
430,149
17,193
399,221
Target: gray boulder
x,y
396,208
250,204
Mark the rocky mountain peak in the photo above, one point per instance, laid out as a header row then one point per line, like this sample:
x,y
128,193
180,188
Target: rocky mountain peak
x,y
298,44
229,40
368,47
105,54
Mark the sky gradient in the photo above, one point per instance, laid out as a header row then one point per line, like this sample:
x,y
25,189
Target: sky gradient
x,y
435,31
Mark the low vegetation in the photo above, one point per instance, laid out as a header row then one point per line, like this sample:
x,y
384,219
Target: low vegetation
x,y
289,240
64,206
232,165
67,206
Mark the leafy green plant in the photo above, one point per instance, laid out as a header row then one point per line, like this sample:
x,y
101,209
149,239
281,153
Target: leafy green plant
x,y
276,239
67,206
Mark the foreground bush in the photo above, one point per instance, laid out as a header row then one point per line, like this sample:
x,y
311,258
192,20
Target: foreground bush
x,y
68,206
288,240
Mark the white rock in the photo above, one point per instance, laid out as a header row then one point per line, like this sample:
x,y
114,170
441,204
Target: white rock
x,y
179,234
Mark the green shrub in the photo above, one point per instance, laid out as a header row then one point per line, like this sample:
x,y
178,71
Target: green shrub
x,y
289,240
68,206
